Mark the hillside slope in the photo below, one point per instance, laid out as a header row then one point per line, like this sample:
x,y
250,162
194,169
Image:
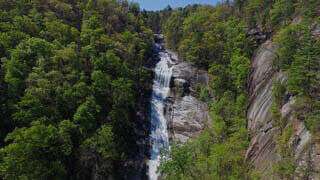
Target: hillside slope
x,y
74,90
263,60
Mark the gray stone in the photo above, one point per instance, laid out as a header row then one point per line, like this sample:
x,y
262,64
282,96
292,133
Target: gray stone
x,y
186,115
262,149
183,70
181,87
187,118
316,30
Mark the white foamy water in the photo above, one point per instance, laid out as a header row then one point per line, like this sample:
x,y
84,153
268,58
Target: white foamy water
x,y
159,132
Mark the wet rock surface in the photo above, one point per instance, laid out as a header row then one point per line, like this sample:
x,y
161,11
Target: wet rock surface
x,y
187,116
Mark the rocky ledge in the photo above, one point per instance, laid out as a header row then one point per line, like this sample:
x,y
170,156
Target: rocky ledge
x,y
187,116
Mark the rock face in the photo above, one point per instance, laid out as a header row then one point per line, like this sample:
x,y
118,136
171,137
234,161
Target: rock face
x,y
262,150
187,118
186,115
258,35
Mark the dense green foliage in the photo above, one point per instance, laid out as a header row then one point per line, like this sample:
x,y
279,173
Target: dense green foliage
x,y
213,39
71,80
298,57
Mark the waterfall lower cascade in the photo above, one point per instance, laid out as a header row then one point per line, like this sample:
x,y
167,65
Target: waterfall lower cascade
x,y
159,133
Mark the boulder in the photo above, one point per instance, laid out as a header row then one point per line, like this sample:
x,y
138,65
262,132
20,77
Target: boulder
x,y
183,70
181,87
187,118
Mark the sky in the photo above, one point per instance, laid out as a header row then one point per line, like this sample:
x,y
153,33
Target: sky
x,y
160,4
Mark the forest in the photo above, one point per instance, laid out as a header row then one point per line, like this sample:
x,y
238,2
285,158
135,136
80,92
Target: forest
x,y
75,84
71,82
222,40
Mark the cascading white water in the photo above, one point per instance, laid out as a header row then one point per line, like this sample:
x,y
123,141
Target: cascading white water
x,y
159,133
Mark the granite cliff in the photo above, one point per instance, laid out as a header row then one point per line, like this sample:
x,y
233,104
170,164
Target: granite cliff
x,y
263,133
186,114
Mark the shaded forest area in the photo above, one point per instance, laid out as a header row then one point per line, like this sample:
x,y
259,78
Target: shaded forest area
x,y
71,82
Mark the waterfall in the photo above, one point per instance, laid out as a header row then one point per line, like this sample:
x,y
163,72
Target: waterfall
x,y
159,133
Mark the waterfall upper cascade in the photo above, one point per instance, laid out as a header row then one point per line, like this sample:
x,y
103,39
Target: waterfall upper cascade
x,y
159,133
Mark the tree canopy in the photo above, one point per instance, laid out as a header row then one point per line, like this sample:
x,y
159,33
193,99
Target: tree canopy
x,y
69,75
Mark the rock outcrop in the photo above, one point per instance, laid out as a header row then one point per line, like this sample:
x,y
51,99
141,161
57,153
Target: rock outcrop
x,y
262,149
186,115
187,118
